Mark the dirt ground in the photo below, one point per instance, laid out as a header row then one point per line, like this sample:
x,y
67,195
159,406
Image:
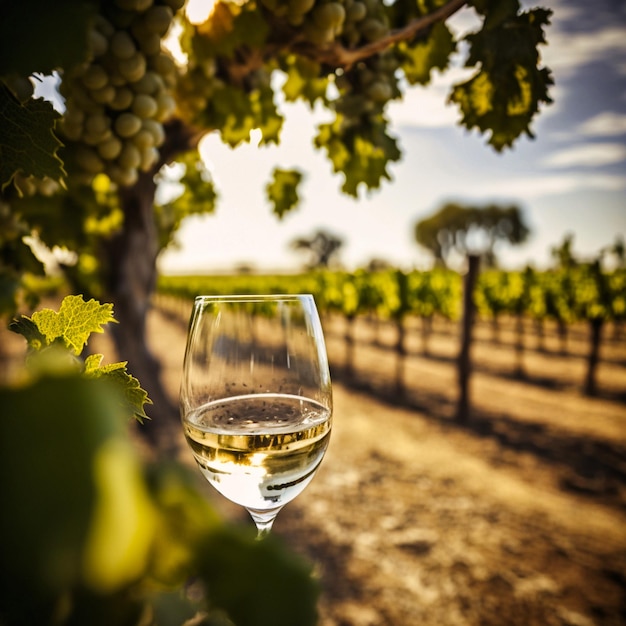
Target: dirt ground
x,y
518,518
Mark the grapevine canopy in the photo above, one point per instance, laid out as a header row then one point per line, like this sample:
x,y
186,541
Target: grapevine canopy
x,y
130,107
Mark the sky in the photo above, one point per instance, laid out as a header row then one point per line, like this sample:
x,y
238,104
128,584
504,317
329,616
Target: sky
x,y
571,179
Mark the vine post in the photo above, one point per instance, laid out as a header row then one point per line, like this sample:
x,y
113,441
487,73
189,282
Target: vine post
x,y
463,361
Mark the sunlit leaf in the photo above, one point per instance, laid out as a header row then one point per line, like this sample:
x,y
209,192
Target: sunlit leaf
x,y
422,57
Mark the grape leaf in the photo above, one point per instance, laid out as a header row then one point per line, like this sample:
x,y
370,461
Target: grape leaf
x,y
282,191
304,80
29,330
504,95
73,324
360,153
133,396
27,142
41,36
422,57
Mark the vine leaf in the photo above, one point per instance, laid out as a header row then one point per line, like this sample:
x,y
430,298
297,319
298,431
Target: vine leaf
x,y
74,322
282,191
360,154
504,95
134,397
71,327
424,56
27,142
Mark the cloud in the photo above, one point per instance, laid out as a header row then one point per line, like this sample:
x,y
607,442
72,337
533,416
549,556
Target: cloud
x,y
533,187
567,51
604,124
425,107
587,155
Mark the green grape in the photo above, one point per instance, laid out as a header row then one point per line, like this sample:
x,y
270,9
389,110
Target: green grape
x,y
95,77
379,91
122,177
373,29
157,19
110,148
103,26
89,159
143,139
329,16
356,12
73,115
122,100
120,18
150,44
105,95
149,156
122,45
149,83
130,157
317,35
144,106
166,105
98,43
300,6
164,65
127,124
155,129
134,68
83,100
72,131
97,123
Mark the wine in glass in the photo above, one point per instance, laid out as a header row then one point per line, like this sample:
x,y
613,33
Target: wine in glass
x,y
256,398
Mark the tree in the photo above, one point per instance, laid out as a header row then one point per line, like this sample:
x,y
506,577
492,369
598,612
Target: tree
x,y
86,179
468,230
323,248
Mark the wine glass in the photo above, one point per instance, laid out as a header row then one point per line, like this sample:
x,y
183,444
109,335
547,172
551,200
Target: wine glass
x,y
256,398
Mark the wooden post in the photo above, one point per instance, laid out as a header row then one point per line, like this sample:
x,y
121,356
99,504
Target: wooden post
x,y
464,366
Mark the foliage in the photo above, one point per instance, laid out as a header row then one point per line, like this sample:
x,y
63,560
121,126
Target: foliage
x,y
130,108
470,230
91,534
567,296
71,328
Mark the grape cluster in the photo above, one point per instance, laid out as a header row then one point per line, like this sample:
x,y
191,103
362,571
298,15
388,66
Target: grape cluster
x,y
117,102
353,22
365,88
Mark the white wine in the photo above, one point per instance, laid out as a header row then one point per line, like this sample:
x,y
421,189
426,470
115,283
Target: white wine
x,y
259,450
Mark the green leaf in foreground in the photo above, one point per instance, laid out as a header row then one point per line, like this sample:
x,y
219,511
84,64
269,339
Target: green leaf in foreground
x,y
133,396
279,588
71,328
72,324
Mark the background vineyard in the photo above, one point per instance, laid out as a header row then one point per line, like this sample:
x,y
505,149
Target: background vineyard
x,y
564,312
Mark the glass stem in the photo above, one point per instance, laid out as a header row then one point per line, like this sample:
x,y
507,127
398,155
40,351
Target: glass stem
x,y
264,520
